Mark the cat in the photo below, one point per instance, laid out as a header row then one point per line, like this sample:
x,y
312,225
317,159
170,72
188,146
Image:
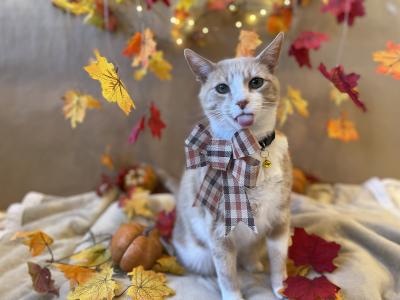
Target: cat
x,y
238,93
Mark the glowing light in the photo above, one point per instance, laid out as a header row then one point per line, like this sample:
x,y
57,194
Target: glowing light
x,y
179,41
238,24
139,8
191,22
286,2
204,30
174,20
251,19
263,12
232,7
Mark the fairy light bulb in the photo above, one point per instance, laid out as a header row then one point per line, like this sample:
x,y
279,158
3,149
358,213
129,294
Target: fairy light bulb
x,y
174,20
204,30
252,19
232,7
191,22
139,8
263,12
286,2
238,24
179,41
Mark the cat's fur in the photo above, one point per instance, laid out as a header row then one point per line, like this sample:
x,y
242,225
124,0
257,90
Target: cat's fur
x,y
199,239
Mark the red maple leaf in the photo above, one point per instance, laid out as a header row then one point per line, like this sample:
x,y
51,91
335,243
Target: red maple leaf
x,y
150,3
41,279
310,249
155,123
136,130
344,83
345,9
302,44
165,223
302,288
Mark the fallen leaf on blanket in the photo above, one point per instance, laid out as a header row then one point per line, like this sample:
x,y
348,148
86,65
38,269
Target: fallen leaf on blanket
x,y
41,279
310,249
76,274
93,256
148,285
159,66
137,129
169,264
342,129
248,42
100,286
137,204
389,60
106,159
165,223
133,46
155,123
302,288
344,10
293,270
112,87
293,100
37,240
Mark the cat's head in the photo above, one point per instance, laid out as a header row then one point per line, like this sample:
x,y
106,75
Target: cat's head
x,y
239,92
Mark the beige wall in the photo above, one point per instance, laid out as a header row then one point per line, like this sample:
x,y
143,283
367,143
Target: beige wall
x,y
42,52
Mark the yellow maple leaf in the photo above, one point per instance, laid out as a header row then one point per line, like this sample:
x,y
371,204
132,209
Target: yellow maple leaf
x,y
100,286
92,256
293,100
76,274
342,129
79,7
37,240
337,96
184,5
147,49
106,159
75,105
159,66
248,42
138,204
293,270
113,89
389,60
168,264
148,285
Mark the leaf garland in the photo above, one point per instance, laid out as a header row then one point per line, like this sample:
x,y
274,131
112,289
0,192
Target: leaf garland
x,y
345,10
41,279
293,100
389,60
248,42
342,129
280,20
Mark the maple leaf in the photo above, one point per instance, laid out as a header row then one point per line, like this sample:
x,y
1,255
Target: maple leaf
x,y
76,274
100,286
79,7
293,270
248,42
310,249
389,60
148,285
92,256
169,264
155,123
134,45
113,89
291,101
41,279
218,4
338,97
150,3
344,83
302,288
159,66
136,130
137,204
345,9
303,43
147,49
165,223
75,105
106,159
342,129
37,240
280,20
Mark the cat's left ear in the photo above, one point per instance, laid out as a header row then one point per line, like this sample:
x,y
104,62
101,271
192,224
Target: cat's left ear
x,y
270,55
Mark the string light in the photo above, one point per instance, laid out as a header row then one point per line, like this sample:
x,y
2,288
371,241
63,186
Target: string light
x,y
179,41
139,8
238,24
263,12
204,30
286,2
252,19
174,20
232,7
191,22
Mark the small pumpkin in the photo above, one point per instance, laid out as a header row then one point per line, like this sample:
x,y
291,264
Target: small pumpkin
x,y
134,244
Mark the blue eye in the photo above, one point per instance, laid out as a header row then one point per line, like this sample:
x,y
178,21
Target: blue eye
x,y
222,88
256,83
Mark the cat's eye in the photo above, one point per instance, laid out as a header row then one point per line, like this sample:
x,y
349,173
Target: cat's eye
x,y
222,88
256,83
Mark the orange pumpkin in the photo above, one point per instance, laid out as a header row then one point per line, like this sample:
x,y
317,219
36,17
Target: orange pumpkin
x,y
133,244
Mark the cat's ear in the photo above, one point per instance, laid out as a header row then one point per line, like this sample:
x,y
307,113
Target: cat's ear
x,y
199,65
270,55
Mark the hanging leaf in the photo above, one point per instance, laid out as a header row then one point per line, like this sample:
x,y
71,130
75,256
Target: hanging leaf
x,y
137,204
169,264
101,16
292,100
75,105
37,240
338,97
165,223
155,123
106,159
93,256
113,89
344,83
78,7
302,288
76,274
342,129
147,49
134,45
148,285
41,279
310,249
136,130
100,286
218,4
389,60
150,3
345,10
280,20
159,66
301,46
248,42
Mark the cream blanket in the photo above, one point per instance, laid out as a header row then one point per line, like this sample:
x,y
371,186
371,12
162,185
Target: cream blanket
x,y
365,220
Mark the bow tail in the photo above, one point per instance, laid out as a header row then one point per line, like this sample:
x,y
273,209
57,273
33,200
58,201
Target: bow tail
x,y
210,191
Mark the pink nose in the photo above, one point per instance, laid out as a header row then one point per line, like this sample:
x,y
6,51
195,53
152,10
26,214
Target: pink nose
x,y
242,104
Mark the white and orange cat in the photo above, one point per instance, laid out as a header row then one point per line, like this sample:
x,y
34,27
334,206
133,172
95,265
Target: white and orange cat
x,y
238,93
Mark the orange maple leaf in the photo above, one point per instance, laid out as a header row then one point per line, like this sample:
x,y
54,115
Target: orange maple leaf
x,y
280,21
389,59
106,159
342,129
134,45
37,240
76,274
248,42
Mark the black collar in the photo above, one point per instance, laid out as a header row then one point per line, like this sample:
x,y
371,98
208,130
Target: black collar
x,y
266,141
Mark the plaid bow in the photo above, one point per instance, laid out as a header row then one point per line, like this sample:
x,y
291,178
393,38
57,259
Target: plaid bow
x,y
230,171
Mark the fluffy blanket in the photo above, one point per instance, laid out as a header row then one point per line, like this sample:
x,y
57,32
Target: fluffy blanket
x,y
364,219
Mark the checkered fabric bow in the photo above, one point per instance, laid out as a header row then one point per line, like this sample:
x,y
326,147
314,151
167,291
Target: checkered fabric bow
x,y
230,171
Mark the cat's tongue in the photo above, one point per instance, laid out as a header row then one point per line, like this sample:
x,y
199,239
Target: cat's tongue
x,y
245,120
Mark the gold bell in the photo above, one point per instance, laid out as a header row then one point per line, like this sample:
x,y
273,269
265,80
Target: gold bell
x,y
267,163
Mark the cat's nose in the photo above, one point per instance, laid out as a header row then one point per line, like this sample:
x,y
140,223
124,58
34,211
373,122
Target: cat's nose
x,y
242,103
